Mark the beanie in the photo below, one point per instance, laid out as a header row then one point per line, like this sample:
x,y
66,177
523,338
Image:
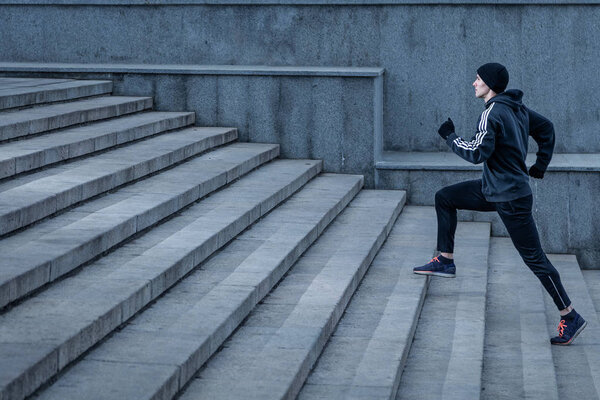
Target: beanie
x,y
494,75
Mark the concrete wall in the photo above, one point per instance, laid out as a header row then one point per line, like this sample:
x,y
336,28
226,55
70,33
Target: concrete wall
x,y
430,51
329,114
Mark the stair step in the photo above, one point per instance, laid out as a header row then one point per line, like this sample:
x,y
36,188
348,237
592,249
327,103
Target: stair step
x,y
39,91
47,251
272,353
446,357
16,124
577,366
192,320
31,198
40,151
365,356
77,312
517,356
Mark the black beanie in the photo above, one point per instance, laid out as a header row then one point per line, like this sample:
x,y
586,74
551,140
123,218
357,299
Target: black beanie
x,y
494,75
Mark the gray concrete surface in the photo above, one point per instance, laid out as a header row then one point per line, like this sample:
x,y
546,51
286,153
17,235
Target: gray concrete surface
x,y
79,311
187,325
517,359
19,123
425,47
272,353
446,358
365,356
331,114
577,366
41,254
22,203
40,151
19,93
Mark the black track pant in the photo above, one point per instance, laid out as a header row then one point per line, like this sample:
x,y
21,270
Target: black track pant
x,y
516,216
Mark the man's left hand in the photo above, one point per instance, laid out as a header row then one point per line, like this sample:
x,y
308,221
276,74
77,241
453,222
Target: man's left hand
x,y
446,129
535,172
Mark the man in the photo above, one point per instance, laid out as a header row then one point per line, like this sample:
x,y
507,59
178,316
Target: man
x,y
500,143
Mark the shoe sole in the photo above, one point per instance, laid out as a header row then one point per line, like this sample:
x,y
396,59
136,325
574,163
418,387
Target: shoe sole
x,y
574,336
433,273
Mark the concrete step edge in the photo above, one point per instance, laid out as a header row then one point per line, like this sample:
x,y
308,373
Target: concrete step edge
x,y
381,347
25,204
26,155
313,317
41,261
210,233
28,96
586,344
18,124
226,302
531,341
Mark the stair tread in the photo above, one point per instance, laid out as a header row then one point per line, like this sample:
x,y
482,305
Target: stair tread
x,y
53,249
271,354
41,118
40,151
364,357
29,82
199,313
577,366
515,330
28,93
78,311
24,200
449,340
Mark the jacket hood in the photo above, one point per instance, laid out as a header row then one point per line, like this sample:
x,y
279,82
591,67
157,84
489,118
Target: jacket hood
x,y
512,98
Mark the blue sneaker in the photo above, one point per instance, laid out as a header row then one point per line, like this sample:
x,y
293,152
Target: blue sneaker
x,y
435,267
568,329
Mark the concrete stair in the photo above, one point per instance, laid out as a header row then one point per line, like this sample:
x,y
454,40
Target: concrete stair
x,y
22,92
154,260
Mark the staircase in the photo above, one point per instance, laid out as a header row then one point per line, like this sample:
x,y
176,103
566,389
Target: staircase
x,y
144,257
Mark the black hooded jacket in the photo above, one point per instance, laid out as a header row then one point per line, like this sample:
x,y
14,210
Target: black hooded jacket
x,y
501,144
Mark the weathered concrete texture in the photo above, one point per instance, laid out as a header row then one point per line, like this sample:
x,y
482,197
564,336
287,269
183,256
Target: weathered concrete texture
x,y
424,49
271,355
37,152
518,336
78,312
446,358
365,356
564,206
19,92
40,255
193,319
577,366
31,200
42,118
313,114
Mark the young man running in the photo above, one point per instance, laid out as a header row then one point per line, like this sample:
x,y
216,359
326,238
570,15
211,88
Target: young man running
x,y
500,143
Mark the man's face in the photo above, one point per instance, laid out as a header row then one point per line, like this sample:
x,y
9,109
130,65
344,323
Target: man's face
x,y
481,89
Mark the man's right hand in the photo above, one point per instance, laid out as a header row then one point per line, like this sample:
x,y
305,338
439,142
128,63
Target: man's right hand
x,y
536,172
446,129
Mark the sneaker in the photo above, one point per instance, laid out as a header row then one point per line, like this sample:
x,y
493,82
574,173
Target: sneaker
x,y
435,267
568,329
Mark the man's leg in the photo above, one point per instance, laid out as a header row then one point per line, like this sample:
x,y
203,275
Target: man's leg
x,y
462,196
518,219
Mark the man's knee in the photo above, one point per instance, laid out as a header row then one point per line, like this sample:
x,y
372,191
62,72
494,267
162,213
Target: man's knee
x,y
441,197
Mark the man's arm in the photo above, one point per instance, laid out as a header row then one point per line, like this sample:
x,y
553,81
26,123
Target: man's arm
x,y
542,131
481,146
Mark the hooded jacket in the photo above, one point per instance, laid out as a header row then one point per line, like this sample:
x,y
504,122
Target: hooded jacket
x,y
500,142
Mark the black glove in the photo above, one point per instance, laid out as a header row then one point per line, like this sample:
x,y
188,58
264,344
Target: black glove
x,y
536,172
446,129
